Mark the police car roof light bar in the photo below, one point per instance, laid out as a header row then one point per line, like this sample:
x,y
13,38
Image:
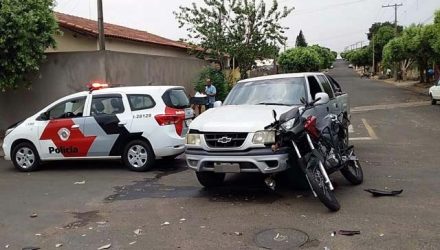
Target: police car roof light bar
x,y
96,86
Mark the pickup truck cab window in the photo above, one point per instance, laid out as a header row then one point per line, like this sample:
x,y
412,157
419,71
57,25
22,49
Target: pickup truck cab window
x,y
284,91
326,85
314,86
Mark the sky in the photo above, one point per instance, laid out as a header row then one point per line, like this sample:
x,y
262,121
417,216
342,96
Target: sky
x,y
335,24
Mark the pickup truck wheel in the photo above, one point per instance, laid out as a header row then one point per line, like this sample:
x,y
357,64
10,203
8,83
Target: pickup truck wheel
x,y
138,156
25,157
210,179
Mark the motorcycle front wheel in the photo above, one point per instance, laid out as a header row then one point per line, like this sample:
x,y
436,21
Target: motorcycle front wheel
x,y
322,190
353,172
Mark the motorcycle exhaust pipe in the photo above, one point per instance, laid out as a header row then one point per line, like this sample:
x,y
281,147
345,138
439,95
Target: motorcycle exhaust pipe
x,y
270,182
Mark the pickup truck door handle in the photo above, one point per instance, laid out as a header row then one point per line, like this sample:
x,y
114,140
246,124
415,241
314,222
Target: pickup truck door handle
x,y
122,124
75,126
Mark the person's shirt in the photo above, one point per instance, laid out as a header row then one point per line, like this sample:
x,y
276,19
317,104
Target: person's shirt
x,y
210,90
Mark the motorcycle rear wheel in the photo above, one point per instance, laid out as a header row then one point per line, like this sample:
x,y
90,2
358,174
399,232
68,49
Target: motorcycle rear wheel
x,y
322,190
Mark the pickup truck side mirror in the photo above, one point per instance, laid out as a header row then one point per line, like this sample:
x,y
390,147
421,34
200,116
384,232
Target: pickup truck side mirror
x,y
217,104
324,98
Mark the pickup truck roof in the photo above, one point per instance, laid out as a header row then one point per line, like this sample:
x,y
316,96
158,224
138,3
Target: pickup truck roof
x,y
279,76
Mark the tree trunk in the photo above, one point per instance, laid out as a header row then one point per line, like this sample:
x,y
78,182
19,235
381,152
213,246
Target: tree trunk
x,y
422,74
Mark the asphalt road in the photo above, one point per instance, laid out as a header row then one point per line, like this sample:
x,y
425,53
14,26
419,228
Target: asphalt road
x,y
397,145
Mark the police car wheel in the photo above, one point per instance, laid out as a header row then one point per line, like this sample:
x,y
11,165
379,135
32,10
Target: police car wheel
x,y
138,156
25,157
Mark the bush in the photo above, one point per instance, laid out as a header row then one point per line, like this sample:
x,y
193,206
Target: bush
x,y
299,60
218,80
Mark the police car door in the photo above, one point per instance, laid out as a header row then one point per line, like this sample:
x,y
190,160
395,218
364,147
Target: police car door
x,y
61,130
108,121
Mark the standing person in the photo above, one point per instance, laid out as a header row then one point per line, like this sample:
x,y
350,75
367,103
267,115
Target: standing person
x,y
210,91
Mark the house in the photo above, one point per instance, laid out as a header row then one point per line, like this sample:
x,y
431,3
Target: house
x,y
81,34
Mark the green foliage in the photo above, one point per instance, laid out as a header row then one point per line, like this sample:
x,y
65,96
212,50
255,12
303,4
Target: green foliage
x,y
437,17
299,59
218,80
300,40
383,35
243,29
26,29
360,57
376,26
326,56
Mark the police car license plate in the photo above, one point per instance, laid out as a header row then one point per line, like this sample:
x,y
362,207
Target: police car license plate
x,y
222,167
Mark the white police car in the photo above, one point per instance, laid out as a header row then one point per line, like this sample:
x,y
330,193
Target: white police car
x,y
137,124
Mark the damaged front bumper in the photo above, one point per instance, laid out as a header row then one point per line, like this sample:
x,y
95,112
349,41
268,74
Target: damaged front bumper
x,y
261,160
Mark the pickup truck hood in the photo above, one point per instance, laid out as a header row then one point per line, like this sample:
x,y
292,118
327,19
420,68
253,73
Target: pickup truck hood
x,y
237,118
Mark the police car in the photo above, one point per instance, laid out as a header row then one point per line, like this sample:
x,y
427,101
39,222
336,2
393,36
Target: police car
x,y
137,124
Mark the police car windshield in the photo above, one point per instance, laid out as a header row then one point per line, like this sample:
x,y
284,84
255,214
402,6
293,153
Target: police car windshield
x,y
284,91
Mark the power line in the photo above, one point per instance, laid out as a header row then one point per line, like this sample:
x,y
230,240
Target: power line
x,y
395,6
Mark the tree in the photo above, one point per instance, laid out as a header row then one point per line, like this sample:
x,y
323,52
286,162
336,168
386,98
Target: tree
x,y
300,40
241,29
326,57
376,26
299,59
398,51
383,35
26,29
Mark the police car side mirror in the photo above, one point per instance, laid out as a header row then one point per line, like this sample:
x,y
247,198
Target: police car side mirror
x,y
44,116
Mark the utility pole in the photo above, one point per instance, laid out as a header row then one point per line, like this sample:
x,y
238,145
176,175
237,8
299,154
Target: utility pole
x,y
374,66
101,38
395,6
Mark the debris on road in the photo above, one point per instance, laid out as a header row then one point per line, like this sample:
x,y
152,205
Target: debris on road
x,y
33,215
30,248
280,237
132,243
377,192
7,246
166,223
105,247
79,182
38,234
138,231
381,235
183,219
333,234
238,233
202,227
58,245
349,232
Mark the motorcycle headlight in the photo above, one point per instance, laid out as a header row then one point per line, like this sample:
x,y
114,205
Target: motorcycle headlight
x,y
264,137
288,125
8,131
193,139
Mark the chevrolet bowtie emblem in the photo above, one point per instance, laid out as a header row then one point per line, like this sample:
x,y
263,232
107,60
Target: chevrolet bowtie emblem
x,y
224,140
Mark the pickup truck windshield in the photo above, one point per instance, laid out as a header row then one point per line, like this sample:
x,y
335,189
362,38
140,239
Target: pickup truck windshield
x,y
284,91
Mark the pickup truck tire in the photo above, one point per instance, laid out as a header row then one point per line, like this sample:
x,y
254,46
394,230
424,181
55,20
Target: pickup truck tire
x,y
296,179
316,179
138,156
25,157
210,179
433,101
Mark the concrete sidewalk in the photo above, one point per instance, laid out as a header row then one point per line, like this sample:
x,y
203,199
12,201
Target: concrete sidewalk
x,y
414,86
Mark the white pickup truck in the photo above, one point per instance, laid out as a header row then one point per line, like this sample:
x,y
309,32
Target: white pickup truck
x,y
230,138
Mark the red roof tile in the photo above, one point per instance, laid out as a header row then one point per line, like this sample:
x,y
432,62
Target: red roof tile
x,y
90,27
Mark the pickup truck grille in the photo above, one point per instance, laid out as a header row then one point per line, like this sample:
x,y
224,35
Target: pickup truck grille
x,y
225,140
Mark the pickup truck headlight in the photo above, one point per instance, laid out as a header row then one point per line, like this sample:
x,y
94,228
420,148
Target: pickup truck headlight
x,y
193,139
264,137
289,124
